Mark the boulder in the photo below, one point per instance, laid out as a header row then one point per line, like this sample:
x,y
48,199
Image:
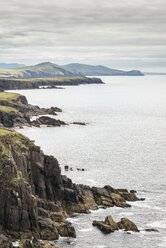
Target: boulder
x,y
119,201
127,225
106,229
65,229
47,229
109,221
107,226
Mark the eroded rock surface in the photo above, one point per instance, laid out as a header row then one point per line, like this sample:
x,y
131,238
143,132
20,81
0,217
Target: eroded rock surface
x,y
36,199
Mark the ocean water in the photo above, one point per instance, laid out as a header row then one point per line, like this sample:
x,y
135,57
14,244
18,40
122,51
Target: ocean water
x,y
123,145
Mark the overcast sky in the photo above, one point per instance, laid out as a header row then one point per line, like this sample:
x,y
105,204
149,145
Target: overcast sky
x,y
118,33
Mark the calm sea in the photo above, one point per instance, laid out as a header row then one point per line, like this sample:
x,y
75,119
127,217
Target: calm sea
x,y
123,145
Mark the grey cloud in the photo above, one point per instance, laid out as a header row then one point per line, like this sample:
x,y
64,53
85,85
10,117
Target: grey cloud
x,y
82,29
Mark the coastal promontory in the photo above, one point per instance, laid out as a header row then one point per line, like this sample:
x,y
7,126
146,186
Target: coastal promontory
x,y
36,198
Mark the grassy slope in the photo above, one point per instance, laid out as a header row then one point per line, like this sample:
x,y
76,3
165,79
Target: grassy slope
x,y
8,137
5,96
7,109
37,70
50,79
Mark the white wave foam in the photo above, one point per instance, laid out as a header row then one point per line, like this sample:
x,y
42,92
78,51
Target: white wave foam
x,y
126,213
86,230
157,224
142,204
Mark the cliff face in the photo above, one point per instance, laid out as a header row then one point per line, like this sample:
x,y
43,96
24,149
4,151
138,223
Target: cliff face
x,y
35,198
35,83
15,111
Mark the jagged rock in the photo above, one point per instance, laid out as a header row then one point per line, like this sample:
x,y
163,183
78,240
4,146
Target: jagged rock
x,y
16,111
35,198
119,201
107,226
57,217
47,229
5,242
35,243
45,120
127,225
103,227
109,221
65,229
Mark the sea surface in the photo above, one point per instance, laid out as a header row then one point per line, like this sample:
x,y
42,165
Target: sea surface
x,y
123,145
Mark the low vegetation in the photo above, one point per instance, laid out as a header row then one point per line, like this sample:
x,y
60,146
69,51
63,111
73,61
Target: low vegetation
x,y
10,137
6,97
7,109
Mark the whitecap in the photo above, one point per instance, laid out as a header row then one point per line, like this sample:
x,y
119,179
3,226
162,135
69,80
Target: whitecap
x,y
142,204
92,181
126,213
157,224
86,230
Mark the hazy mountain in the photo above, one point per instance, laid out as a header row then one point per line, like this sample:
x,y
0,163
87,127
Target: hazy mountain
x,y
99,70
42,70
11,65
48,70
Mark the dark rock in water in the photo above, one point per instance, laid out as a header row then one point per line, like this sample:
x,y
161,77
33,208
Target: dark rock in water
x,y
109,221
79,123
80,169
151,230
55,109
109,225
66,167
45,120
127,225
106,229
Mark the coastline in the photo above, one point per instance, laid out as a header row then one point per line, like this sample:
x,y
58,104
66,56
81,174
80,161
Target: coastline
x,y
36,83
43,201
36,198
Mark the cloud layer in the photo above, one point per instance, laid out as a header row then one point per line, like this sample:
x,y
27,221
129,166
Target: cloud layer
x,y
95,31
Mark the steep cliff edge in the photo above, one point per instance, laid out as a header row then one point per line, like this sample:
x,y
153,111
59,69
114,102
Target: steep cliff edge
x,y
35,83
35,198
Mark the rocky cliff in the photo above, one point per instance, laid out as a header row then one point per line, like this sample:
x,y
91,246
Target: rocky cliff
x,y
15,111
35,198
35,83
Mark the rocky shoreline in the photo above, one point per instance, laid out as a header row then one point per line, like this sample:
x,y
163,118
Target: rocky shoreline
x,y
36,83
15,111
36,198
